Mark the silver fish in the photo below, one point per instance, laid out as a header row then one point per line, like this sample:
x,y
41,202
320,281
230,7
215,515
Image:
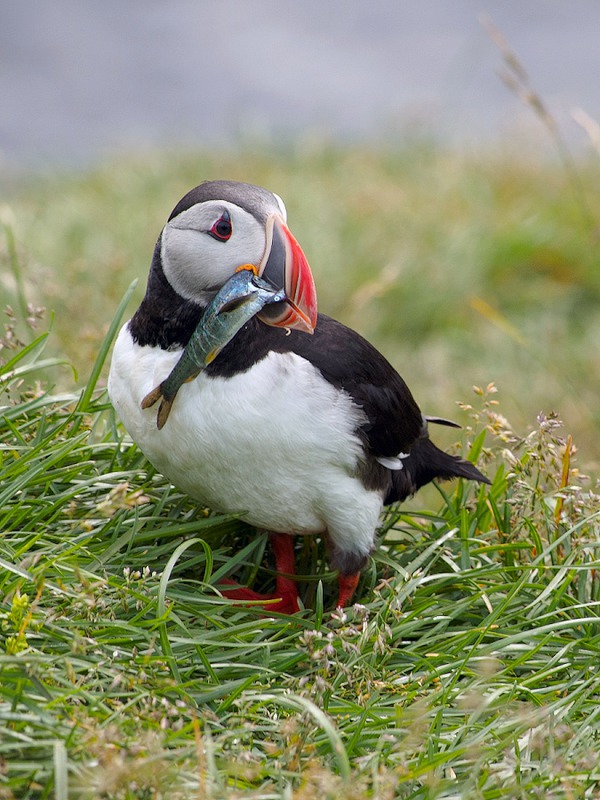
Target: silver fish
x,y
243,296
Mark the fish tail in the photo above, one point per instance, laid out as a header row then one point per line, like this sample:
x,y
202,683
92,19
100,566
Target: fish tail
x,y
164,410
153,396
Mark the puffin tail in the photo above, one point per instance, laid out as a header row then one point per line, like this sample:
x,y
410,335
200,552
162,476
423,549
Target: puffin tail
x,y
426,463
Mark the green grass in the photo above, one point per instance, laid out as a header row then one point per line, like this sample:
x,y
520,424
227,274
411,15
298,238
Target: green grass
x,y
469,668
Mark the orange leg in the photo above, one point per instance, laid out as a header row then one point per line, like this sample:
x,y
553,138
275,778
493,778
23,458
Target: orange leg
x,y
346,587
285,598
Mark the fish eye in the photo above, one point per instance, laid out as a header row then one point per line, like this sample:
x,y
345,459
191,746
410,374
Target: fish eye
x,y
222,228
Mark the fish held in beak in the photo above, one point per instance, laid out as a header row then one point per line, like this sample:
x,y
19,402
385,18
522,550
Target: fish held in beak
x,y
284,266
235,303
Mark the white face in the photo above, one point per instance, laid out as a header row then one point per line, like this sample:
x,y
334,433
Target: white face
x,y
203,246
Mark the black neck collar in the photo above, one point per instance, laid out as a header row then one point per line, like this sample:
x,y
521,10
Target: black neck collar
x,y
164,318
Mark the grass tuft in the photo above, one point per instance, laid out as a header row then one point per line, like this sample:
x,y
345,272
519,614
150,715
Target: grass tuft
x,y
468,668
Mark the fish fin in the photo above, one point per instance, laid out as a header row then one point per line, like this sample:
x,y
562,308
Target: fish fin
x,y
164,410
152,397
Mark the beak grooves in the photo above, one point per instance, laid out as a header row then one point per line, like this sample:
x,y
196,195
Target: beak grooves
x,y
284,266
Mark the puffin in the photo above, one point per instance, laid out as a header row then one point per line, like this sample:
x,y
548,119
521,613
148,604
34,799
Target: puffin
x,y
299,425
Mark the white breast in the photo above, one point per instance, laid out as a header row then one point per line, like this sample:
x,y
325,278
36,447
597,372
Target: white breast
x,y
276,443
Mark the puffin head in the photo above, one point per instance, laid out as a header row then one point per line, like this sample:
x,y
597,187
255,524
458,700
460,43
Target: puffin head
x,y
221,226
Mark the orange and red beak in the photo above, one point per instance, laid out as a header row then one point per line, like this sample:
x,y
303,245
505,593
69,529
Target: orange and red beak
x,y
284,266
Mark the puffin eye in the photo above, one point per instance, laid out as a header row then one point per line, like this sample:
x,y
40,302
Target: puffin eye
x,y
222,229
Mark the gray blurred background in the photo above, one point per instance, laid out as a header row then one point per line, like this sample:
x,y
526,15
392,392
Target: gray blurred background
x,y
82,80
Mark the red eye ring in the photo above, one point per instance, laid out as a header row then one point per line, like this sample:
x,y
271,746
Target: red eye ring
x,y
222,229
